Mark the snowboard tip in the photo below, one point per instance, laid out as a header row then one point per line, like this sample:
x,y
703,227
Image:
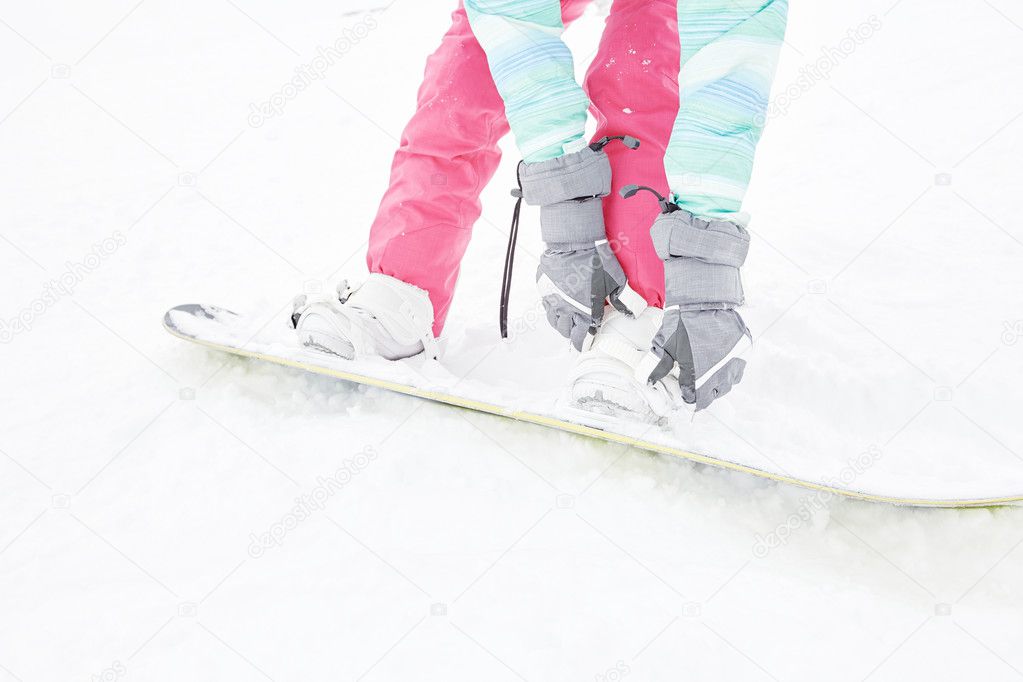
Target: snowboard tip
x,y
174,317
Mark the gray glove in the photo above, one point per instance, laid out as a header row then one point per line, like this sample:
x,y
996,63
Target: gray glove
x,y
701,332
578,271
697,341
574,285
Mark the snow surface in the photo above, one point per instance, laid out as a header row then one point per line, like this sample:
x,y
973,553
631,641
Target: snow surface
x,y
138,474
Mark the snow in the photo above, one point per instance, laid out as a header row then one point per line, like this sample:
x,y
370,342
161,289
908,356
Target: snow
x,y
140,476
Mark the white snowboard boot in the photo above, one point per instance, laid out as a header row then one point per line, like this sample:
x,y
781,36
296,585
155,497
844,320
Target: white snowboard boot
x,y
384,317
610,377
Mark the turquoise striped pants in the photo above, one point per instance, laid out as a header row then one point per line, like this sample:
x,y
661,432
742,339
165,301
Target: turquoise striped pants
x,y
728,55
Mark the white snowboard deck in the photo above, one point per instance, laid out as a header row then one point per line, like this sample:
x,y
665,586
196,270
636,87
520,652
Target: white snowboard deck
x,y
773,425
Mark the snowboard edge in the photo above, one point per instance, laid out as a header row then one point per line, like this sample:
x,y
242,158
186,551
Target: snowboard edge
x,y
588,431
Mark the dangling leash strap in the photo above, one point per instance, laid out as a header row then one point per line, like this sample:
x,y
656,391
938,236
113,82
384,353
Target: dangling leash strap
x,y
509,258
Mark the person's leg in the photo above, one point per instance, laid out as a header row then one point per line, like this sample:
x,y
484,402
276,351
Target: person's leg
x,y
729,56
533,70
633,85
562,174
447,155
702,150
729,52
725,52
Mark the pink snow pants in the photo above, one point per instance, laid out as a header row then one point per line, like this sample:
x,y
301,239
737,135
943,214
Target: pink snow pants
x,y
449,151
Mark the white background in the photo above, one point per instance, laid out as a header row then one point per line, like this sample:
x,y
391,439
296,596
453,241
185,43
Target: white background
x,y
134,468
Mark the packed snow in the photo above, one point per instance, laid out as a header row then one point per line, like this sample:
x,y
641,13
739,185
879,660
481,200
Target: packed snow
x,y
168,512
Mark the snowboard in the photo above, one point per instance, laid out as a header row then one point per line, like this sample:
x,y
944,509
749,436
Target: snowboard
x,y
523,379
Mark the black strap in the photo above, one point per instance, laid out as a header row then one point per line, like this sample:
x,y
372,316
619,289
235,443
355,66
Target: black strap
x,y
628,140
667,206
509,258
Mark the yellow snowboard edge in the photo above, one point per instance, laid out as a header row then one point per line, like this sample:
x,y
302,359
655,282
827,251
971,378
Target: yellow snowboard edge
x,y
591,432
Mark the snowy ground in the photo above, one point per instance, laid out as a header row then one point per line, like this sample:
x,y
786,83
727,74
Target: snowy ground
x,y
138,475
